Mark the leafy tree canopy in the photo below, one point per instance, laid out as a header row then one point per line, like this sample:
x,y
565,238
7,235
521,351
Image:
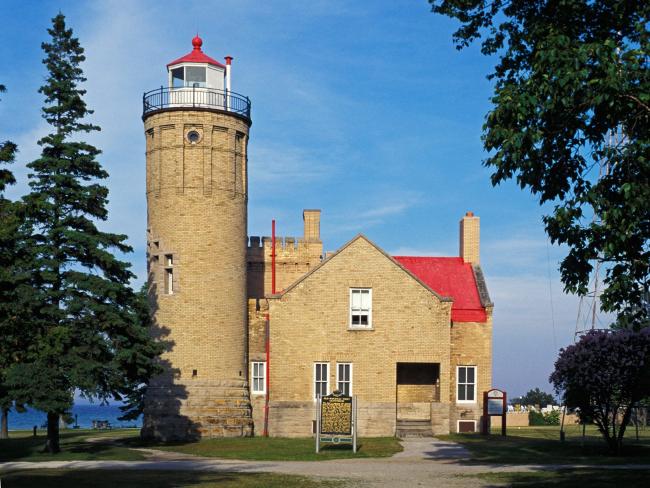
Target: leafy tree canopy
x,y
605,375
536,397
572,91
90,336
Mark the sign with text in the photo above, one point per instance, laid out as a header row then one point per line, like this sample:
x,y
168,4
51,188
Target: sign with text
x,y
336,415
495,404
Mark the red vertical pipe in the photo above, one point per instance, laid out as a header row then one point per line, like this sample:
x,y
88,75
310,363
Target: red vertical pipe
x,y
273,256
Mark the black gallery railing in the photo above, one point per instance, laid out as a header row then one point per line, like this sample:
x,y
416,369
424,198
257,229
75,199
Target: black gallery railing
x,y
194,97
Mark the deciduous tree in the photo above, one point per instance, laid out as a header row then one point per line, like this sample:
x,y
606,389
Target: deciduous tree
x,y
605,375
536,397
571,91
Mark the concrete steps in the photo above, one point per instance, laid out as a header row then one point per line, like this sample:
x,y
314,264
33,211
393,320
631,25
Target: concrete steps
x,y
413,428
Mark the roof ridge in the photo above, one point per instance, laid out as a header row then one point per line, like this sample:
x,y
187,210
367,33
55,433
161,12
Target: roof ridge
x,y
440,296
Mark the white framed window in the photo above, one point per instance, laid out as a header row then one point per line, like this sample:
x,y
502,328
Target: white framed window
x,y
258,377
466,384
344,378
321,379
360,308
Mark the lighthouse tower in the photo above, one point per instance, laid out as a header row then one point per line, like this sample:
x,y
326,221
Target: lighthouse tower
x,y
196,133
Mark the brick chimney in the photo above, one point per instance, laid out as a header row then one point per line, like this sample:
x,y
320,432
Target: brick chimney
x,y
311,220
470,238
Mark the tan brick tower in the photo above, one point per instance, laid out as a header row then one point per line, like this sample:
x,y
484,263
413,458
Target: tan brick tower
x,y
196,142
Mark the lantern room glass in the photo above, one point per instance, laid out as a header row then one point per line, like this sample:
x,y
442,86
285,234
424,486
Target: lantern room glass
x,y
189,76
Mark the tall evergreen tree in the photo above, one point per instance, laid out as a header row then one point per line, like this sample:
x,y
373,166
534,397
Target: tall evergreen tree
x,y
91,338
8,230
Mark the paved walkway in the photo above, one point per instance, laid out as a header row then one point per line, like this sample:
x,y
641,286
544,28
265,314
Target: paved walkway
x,y
423,462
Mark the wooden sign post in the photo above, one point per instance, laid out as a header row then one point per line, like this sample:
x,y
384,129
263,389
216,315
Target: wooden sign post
x,y
336,420
494,405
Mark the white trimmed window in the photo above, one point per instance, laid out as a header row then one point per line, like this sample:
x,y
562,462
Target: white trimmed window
x,y
344,378
321,379
466,384
360,308
258,377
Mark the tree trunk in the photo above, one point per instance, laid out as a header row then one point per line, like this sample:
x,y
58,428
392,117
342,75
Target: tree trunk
x,y
52,443
4,424
627,414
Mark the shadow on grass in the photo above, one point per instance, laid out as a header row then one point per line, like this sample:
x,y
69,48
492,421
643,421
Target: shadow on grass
x,y
513,450
154,479
74,446
569,478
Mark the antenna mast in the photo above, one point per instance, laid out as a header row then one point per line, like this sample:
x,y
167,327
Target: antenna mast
x,y
589,305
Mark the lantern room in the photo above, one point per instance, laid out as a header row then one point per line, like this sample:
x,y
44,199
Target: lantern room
x,y
197,81
198,70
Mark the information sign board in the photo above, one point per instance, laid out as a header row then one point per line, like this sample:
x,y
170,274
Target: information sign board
x,y
336,420
494,405
336,415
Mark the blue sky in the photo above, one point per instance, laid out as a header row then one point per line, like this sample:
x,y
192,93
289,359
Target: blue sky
x,y
362,109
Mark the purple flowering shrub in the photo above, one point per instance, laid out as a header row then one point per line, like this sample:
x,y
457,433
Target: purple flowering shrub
x,y
604,375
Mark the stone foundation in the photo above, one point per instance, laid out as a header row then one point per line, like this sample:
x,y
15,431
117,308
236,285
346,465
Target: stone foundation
x,y
182,412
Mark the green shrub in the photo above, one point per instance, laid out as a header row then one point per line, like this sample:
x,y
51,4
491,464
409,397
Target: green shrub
x,y
536,418
552,417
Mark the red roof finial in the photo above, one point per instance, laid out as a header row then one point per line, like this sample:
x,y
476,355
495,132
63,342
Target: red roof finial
x,y
197,42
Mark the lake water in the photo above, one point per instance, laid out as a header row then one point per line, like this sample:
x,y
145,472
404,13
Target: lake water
x,y
85,416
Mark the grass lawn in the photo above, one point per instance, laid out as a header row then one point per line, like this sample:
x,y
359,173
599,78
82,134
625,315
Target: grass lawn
x,y
117,444
83,444
571,478
282,449
50,478
541,445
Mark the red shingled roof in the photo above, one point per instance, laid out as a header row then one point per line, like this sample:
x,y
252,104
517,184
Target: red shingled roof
x,y
450,277
196,55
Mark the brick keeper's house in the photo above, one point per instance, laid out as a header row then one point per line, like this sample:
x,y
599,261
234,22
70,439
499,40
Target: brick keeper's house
x,y
411,337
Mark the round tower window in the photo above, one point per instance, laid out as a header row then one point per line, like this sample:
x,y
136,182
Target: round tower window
x,y
193,136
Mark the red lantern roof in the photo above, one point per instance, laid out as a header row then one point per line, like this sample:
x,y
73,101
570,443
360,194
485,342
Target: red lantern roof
x,y
196,55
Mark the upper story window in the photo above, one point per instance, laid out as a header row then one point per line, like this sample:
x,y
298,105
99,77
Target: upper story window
x,y
466,384
189,76
360,307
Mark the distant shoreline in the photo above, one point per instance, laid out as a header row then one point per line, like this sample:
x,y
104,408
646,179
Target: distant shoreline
x,y
84,414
